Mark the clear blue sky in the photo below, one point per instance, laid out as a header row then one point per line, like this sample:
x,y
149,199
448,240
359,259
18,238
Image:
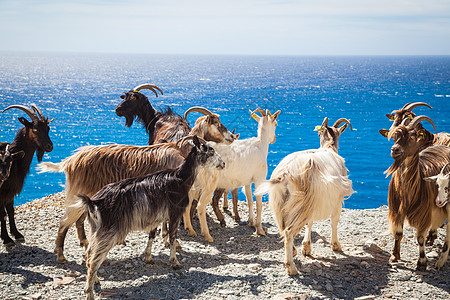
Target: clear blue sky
x,y
260,27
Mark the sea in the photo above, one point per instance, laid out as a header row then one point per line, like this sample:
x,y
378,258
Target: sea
x,y
81,92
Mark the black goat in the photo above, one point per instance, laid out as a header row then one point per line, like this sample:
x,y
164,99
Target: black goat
x,y
33,137
142,203
6,159
135,105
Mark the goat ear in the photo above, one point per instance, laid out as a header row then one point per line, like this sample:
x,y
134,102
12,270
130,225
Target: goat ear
x,y
122,96
25,121
384,132
18,155
391,117
431,178
256,117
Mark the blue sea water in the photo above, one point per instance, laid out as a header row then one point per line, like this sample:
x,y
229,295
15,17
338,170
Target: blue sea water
x,y
81,92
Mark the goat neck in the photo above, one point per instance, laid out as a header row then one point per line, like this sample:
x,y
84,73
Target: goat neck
x,y
266,130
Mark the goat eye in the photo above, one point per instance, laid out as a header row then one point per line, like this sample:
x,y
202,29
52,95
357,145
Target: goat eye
x,y
35,130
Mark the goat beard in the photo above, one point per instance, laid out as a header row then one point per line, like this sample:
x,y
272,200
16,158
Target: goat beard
x,y
394,167
40,154
129,120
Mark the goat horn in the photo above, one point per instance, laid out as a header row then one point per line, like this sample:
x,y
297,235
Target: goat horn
x,y
325,122
411,106
260,110
38,111
189,138
446,169
199,109
419,119
7,149
340,121
148,86
29,112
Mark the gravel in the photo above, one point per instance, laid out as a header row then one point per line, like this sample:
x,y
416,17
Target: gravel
x,y
238,265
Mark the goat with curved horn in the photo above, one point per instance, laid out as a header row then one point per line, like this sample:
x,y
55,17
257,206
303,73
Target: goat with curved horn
x,y
148,86
340,121
419,119
411,106
199,109
27,110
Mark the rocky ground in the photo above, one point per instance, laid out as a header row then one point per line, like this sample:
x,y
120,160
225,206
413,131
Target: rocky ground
x,y
238,265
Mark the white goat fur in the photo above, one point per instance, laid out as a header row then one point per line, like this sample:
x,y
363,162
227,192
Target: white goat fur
x,y
245,163
307,186
443,182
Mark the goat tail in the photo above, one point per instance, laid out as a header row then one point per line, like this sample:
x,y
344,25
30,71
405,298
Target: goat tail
x,y
85,204
50,167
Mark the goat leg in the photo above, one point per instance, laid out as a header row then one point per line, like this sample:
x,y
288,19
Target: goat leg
x,y
289,255
234,196
215,204
444,255
432,235
148,250
12,223
174,223
80,231
192,210
422,261
59,243
306,244
225,201
7,241
335,245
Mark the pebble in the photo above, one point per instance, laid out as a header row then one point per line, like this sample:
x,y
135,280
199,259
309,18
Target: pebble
x,y
251,267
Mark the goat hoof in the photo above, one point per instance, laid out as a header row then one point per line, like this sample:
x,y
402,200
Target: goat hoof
x,y
421,266
61,260
294,251
237,220
20,239
260,231
306,248
440,263
209,239
192,233
223,223
336,247
393,258
291,269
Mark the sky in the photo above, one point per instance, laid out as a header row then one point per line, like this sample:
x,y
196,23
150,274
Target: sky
x,y
231,27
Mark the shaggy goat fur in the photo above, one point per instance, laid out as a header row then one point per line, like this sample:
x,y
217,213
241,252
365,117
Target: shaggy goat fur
x,y
142,203
93,167
309,186
410,197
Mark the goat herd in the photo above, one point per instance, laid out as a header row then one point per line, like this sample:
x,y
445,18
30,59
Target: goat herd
x,y
122,188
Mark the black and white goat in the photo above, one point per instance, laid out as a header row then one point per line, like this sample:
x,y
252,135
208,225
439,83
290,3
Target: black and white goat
x,y
33,137
142,203
309,186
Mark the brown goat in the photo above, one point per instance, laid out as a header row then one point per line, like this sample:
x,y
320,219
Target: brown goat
x,y
410,197
93,167
405,115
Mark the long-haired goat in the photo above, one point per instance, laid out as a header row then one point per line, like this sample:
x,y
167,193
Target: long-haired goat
x,y
309,186
142,203
246,163
93,167
404,116
442,181
410,197
33,137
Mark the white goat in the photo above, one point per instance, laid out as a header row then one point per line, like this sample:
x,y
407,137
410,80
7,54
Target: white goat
x,y
245,163
309,186
442,180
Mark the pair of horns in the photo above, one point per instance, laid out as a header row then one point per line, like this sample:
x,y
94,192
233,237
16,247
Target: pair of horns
x,y
32,112
414,122
337,123
199,109
265,113
185,139
411,106
148,86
